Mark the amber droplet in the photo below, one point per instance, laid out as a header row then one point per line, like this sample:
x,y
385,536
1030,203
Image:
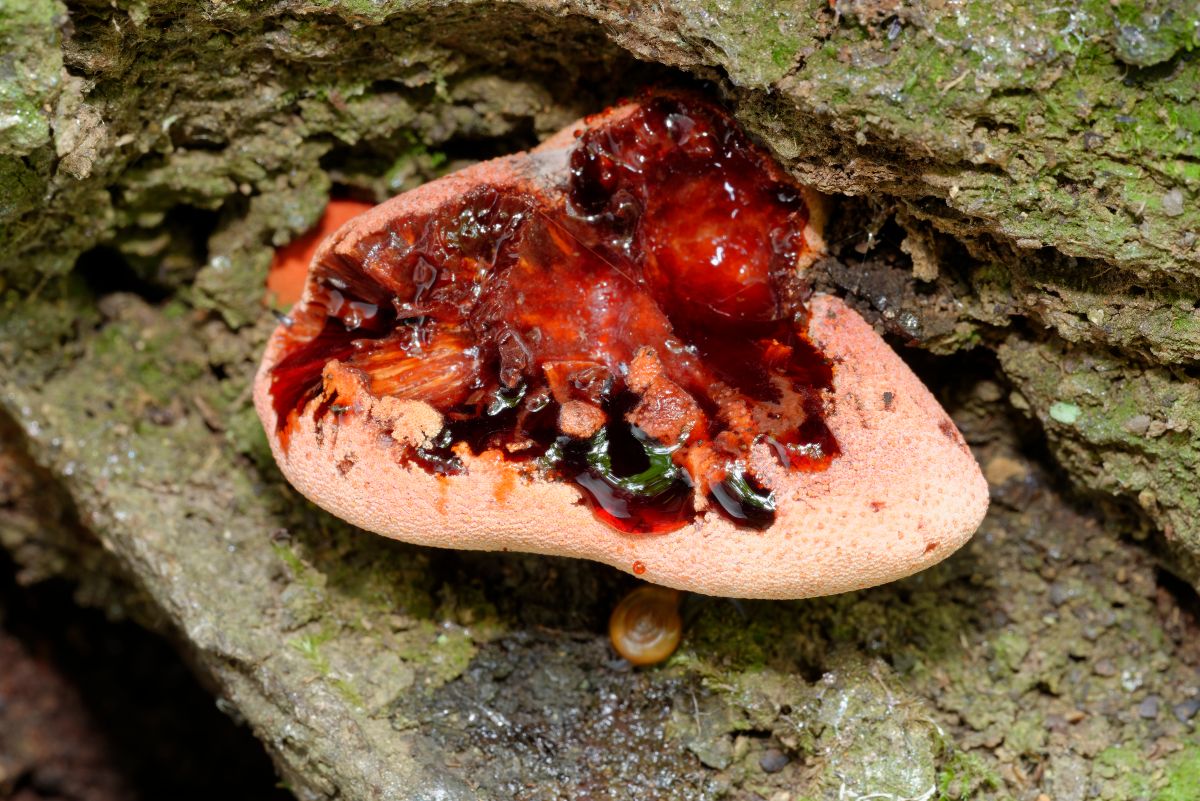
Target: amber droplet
x,y
645,627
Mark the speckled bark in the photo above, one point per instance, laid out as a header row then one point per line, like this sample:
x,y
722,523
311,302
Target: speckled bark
x,y
1023,185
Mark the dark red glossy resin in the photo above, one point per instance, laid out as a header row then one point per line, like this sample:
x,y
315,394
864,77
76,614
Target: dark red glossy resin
x,y
637,337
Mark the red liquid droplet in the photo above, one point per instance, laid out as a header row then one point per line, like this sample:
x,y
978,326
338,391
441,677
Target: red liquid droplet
x,y
639,568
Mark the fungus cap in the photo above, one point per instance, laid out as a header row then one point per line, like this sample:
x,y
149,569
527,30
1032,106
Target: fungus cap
x,y
903,494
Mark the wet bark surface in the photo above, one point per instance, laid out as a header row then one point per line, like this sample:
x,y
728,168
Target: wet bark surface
x,y
1016,210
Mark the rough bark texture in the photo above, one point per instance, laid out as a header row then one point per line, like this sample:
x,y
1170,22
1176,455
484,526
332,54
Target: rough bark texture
x,y
1022,183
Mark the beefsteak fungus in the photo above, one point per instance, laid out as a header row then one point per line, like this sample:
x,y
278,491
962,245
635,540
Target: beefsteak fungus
x,y
606,348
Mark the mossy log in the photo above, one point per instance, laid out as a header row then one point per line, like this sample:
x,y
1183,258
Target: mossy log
x,y
1017,191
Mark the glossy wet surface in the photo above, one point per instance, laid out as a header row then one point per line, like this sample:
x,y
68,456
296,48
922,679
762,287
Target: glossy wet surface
x,y
638,336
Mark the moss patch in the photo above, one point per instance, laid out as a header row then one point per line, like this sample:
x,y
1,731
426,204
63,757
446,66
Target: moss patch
x,y
1120,429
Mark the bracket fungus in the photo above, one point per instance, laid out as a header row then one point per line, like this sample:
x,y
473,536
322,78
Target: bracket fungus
x,y
606,348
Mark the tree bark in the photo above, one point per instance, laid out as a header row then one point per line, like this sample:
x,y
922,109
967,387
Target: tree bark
x,y
1016,197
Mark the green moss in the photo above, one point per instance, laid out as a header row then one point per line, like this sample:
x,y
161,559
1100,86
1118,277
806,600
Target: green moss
x,y
965,775
37,324
1010,649
1151,33
1123,774
873,739
21,188
1129,430
1183,776
746,635
290,558
757,42
452,652
1044,72
309,647
30,67
412,167
245,434
1027,736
